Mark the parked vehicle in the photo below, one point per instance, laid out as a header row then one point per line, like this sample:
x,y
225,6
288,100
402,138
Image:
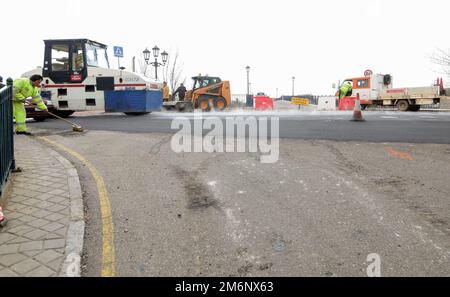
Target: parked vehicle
x,y
76,75
377,89
37,114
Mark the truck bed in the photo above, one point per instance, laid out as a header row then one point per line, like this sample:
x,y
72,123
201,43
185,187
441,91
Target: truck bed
x,y
410,93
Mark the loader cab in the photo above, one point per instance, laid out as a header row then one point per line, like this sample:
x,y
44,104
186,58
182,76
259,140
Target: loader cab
x,y
204,81
67,60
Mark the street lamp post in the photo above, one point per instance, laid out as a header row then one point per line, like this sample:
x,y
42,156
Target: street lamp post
x,y
293,92
248,79
155,64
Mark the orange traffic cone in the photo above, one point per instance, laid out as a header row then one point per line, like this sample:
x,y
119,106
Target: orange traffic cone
x,y
357,114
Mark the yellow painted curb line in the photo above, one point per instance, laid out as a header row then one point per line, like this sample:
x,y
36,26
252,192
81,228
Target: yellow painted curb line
x,y
109,257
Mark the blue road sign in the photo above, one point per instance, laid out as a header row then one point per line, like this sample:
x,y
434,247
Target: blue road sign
x,y
118,51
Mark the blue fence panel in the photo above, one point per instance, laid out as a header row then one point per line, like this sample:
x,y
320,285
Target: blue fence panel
x,y
7,162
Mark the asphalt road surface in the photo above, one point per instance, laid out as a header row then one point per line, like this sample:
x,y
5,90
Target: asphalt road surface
x,y
420,127
321,210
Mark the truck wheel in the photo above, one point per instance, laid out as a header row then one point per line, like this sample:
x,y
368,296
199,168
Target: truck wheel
x,y
136,113
64,113
220,103
414,108
203,103
403,105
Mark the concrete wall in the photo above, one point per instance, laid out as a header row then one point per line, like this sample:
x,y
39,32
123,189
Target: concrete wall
x,y
327,103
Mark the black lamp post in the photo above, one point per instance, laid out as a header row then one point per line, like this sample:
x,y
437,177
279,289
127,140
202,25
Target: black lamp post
x,y
155,64
248,79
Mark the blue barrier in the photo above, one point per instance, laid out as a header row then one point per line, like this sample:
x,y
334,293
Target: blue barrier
x,y
133,101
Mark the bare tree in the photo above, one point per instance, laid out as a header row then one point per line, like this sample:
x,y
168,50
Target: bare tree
x,y
144,68
173,71
441,58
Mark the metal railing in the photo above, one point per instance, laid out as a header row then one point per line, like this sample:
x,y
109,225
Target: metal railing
x,y
7,162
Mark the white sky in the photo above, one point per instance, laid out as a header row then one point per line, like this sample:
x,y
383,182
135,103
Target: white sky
x,y
317,41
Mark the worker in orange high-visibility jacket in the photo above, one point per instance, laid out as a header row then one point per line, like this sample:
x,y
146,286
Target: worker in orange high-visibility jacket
x,y
166,92
24,88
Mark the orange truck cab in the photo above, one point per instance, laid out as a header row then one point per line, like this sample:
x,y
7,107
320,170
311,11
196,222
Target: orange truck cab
x,y
368,88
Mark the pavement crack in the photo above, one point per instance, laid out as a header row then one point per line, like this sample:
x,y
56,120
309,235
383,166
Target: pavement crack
x,y
156,148
344,163
198,195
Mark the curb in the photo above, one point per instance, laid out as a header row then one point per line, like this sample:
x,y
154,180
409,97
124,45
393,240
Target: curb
x,y
71,266
435,110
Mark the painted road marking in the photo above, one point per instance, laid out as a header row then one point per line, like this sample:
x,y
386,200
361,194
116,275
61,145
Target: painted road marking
x,y
401,155
388,117
109,255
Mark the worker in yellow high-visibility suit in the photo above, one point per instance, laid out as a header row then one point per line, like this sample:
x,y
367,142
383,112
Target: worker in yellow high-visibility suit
x,y
346,89
23,88
166,92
